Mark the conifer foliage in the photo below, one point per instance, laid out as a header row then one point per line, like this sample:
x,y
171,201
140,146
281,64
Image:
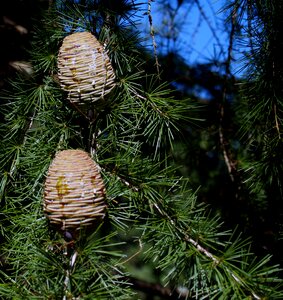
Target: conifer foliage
x,y
261,106
155,236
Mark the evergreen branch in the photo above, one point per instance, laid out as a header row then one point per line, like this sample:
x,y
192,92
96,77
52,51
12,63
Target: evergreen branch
x,y
217,261
262,106
186,237
235,274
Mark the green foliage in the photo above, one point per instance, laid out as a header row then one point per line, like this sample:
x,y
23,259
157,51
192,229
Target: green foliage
x,y
262,99
131,139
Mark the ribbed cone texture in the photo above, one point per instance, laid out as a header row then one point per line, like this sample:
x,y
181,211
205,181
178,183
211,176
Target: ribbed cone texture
x,y
74,191
85,71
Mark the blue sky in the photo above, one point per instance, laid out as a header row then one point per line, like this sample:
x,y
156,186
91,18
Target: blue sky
x,y
203,32
200,33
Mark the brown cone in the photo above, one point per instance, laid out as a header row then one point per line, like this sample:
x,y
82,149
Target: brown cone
x,y
85,71
74,191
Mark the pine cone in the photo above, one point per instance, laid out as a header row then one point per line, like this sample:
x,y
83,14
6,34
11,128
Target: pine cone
x,y
85,70
74,191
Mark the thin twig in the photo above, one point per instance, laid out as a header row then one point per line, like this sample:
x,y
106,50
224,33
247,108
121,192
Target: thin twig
x,y
158,290
72,261
276,121
209,24
135,254
124,181
250,35
153,37
186,236
228,161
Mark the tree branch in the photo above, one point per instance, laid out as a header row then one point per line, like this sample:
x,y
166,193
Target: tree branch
x,y
205,252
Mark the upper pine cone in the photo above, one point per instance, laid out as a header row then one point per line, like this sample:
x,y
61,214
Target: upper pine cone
x,y
74,191
84,69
